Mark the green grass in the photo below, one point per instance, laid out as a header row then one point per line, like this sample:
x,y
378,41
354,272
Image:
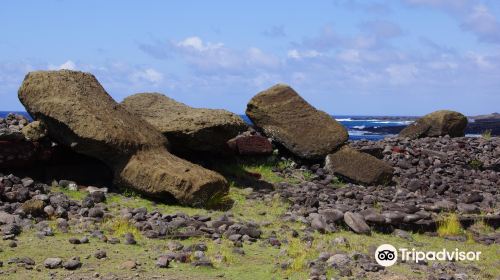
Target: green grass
x,y
260,260
486,134
220,202
253,209
284,164
249,169
130,193
481,227
75,195
476,164
118,227
299,253
265,170
307,175
116,201
449,225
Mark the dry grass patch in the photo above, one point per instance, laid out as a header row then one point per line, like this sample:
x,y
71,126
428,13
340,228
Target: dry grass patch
x,y
450,225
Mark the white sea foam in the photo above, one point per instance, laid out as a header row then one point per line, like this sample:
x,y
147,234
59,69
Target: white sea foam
x,y
344,120
395,122
357,132
375,121
359,126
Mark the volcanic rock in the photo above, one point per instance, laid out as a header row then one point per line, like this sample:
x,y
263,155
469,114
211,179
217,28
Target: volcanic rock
x,y
356,222
162,262
438,123
52,263
358,167
186,128
80,114
288,119
72,264
34,207
248,144
34,131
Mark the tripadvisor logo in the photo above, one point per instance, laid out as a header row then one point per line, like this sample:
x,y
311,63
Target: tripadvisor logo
x,y
387,255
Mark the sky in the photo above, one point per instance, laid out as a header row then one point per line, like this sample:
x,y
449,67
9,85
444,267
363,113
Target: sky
x,y
345,57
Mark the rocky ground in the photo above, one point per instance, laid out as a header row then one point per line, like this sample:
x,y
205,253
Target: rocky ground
x,y
288,220
432,176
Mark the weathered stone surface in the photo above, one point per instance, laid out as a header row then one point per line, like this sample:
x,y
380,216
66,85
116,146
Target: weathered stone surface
x,y
80,114
356,222
186,128
438,123
52,263
246,144
72,264
34,131
302,129
33,207
358,167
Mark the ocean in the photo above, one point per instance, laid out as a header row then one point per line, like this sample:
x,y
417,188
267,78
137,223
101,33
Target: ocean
x,y
355,125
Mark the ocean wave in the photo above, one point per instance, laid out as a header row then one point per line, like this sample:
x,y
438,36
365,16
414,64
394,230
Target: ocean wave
x,y
344,120
359,126
394,122
357,120
357,132
375,121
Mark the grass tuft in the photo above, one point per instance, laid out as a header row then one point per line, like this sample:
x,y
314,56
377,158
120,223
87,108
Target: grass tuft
x,y
481,227
450,226
74,195
308,175
299,253
486,134
222,202
265,170
476,164
119,226
250,168
221,253
127,192
284,164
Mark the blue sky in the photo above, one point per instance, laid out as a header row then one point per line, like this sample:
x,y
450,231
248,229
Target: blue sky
x,y
394,57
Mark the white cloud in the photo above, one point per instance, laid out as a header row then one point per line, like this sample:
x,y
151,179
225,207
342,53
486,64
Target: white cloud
x,y
256,56
68,65
481,61
195,43
215,58
472,15
483,23
296,54
149,75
